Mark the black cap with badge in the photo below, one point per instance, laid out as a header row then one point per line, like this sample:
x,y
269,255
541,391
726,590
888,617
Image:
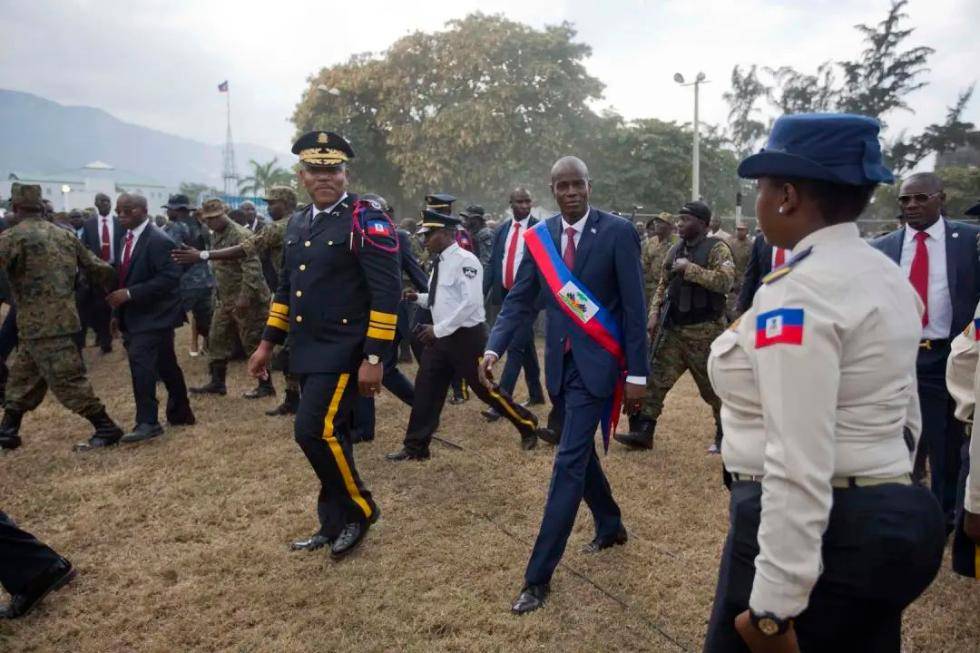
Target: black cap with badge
x,y
322,149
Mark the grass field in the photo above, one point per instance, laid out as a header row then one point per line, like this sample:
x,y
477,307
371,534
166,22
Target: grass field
x,y
181,543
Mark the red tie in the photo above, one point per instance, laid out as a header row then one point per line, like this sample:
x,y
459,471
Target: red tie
x,y
511,256
568,256
106,247
919,272
780,257
127,254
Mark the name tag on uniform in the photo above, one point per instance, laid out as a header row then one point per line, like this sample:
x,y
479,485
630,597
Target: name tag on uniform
x,y
781,326
578,301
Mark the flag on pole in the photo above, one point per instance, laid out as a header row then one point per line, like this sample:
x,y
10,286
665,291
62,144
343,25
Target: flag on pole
x,y
223,87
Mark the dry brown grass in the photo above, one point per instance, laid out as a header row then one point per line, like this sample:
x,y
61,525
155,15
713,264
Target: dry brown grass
x,y
181,543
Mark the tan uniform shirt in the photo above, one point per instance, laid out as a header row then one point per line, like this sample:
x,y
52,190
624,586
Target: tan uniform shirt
x,y
963,381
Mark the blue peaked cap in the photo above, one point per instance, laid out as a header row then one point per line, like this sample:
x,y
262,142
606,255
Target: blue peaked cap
x,y
842,148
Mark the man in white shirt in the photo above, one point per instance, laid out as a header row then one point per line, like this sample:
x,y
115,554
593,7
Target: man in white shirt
x,y
102,235
454,341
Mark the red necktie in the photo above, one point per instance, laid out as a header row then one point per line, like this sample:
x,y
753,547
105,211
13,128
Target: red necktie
x,y
127,255
780,257
106,247
919,272
511,256
568,256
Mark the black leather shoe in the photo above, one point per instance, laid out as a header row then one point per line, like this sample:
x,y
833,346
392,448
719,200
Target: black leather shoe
x,y
183,417
95,442
263,389
57,576
405,454
597,545
348,539
10,441
532,597
490,415
548,435
529,440
143,432
312,543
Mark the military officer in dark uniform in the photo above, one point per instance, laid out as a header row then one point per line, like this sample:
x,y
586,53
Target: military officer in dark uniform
x,y
337,300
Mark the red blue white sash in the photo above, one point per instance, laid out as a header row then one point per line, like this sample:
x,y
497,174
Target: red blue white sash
x,y
584,310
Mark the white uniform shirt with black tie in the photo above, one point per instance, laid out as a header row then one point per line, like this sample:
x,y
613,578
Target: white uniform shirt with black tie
x,y
458,294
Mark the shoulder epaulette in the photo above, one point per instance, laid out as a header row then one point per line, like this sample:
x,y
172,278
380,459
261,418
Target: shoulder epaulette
x,y
787,267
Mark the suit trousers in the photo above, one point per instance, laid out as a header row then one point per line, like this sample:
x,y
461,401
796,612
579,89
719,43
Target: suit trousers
x,y
522,354
965,552
95,314
152,358
942,434
456,356
576,475
363,418
22,557
882,548
323,414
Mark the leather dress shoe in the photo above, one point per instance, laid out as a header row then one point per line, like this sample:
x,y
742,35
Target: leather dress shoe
x,y
312,543
532,597
143,432
405,454
529,440
598,544
57,576
9,441
490,415
548,435
184,417
349,539
95,442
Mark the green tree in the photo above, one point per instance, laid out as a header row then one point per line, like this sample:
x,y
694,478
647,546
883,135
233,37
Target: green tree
x,y
962,186
263,177
745,125
796,92
906,153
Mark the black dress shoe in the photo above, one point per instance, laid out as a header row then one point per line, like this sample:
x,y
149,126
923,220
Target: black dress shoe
x,y
312,543
405,454
183,417
597,545
529,440
10,441
95,442
143,432
490,415
57,576
548,435
532,597
348,539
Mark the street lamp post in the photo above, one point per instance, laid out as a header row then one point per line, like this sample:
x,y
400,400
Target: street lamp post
x,y
696,143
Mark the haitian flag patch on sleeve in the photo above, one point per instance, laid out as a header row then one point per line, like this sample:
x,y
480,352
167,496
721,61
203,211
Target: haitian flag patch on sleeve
x,y
379,228
976,328
783,326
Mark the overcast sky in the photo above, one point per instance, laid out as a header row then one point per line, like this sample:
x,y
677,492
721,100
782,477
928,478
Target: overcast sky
x,y
158,62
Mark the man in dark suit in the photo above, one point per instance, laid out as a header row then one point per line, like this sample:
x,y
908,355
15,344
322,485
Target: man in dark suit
x,y
940,258
102,235
147,310
602,252
762,260
505,259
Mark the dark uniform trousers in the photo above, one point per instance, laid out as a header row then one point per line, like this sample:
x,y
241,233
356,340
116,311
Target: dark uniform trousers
x,y
576,475
151,358
22,557
942,434
456,356
966,552
882,548
394,382
324,410
522,354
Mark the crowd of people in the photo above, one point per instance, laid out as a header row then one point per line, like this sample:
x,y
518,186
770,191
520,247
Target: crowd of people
x,y
833,368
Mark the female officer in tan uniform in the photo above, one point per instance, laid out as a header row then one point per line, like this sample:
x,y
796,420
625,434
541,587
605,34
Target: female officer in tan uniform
x,y
828,541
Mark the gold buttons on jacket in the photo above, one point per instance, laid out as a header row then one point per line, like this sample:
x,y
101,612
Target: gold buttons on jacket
x,y
330,242
299,293
344,321
299,318
306,244
302,267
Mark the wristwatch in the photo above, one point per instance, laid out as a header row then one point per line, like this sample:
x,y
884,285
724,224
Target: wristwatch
x,y
204,254
373,359
769,624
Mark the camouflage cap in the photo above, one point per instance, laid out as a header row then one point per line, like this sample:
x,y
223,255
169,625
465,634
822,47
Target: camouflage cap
x,y
26,195
212,208
284,193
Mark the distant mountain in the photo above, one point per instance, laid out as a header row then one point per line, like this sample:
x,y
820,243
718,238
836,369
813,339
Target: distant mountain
x,y
41,136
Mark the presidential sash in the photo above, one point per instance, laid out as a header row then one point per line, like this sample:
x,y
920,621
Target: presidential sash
x,y
584,310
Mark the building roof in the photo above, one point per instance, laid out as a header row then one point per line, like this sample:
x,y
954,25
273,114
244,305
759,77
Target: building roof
x,y
93,170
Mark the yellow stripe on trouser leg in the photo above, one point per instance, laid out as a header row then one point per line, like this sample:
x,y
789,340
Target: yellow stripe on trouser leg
x,y
337,451
506,406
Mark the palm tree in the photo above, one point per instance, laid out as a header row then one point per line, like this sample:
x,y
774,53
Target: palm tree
x,y
263,177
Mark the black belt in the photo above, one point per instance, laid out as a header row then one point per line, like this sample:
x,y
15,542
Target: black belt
x,y
928,344
840,482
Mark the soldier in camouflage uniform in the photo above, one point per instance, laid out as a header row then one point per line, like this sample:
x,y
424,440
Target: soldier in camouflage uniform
x,y
41,261
269,241
656,248
241,305
689,309
741,246
197,282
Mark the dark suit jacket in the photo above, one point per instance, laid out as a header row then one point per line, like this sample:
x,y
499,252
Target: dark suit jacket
x,y
409,264
153,281
92,240
607,262
493,282
759,265
962,267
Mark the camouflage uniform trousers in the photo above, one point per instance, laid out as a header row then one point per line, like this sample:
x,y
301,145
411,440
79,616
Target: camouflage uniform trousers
x,y
228,324
55,363
684,349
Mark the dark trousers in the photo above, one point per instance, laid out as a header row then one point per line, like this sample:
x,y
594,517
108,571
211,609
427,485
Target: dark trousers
x,y
966,552
152,358
95,314
363,419
882,548
942,434
324,412
457,355
576,475
8,333
522,354
22,557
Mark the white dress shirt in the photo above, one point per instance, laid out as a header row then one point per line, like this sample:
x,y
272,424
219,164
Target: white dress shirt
x,y
317,212
786,257
940,304
137,232
108,221
459,292
834,404
963,381
519,252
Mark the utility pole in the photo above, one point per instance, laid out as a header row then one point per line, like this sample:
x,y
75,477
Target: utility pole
x,y
229,174
696,141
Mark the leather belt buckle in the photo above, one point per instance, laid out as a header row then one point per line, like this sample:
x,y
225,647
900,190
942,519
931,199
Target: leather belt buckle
x,y
925,344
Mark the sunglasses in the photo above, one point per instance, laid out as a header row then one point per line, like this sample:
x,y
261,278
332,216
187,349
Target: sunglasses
x,y
920,198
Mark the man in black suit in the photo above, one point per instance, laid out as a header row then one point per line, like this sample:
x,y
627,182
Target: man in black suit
x,y
498,279
148,308
102,235
940,259
762,260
